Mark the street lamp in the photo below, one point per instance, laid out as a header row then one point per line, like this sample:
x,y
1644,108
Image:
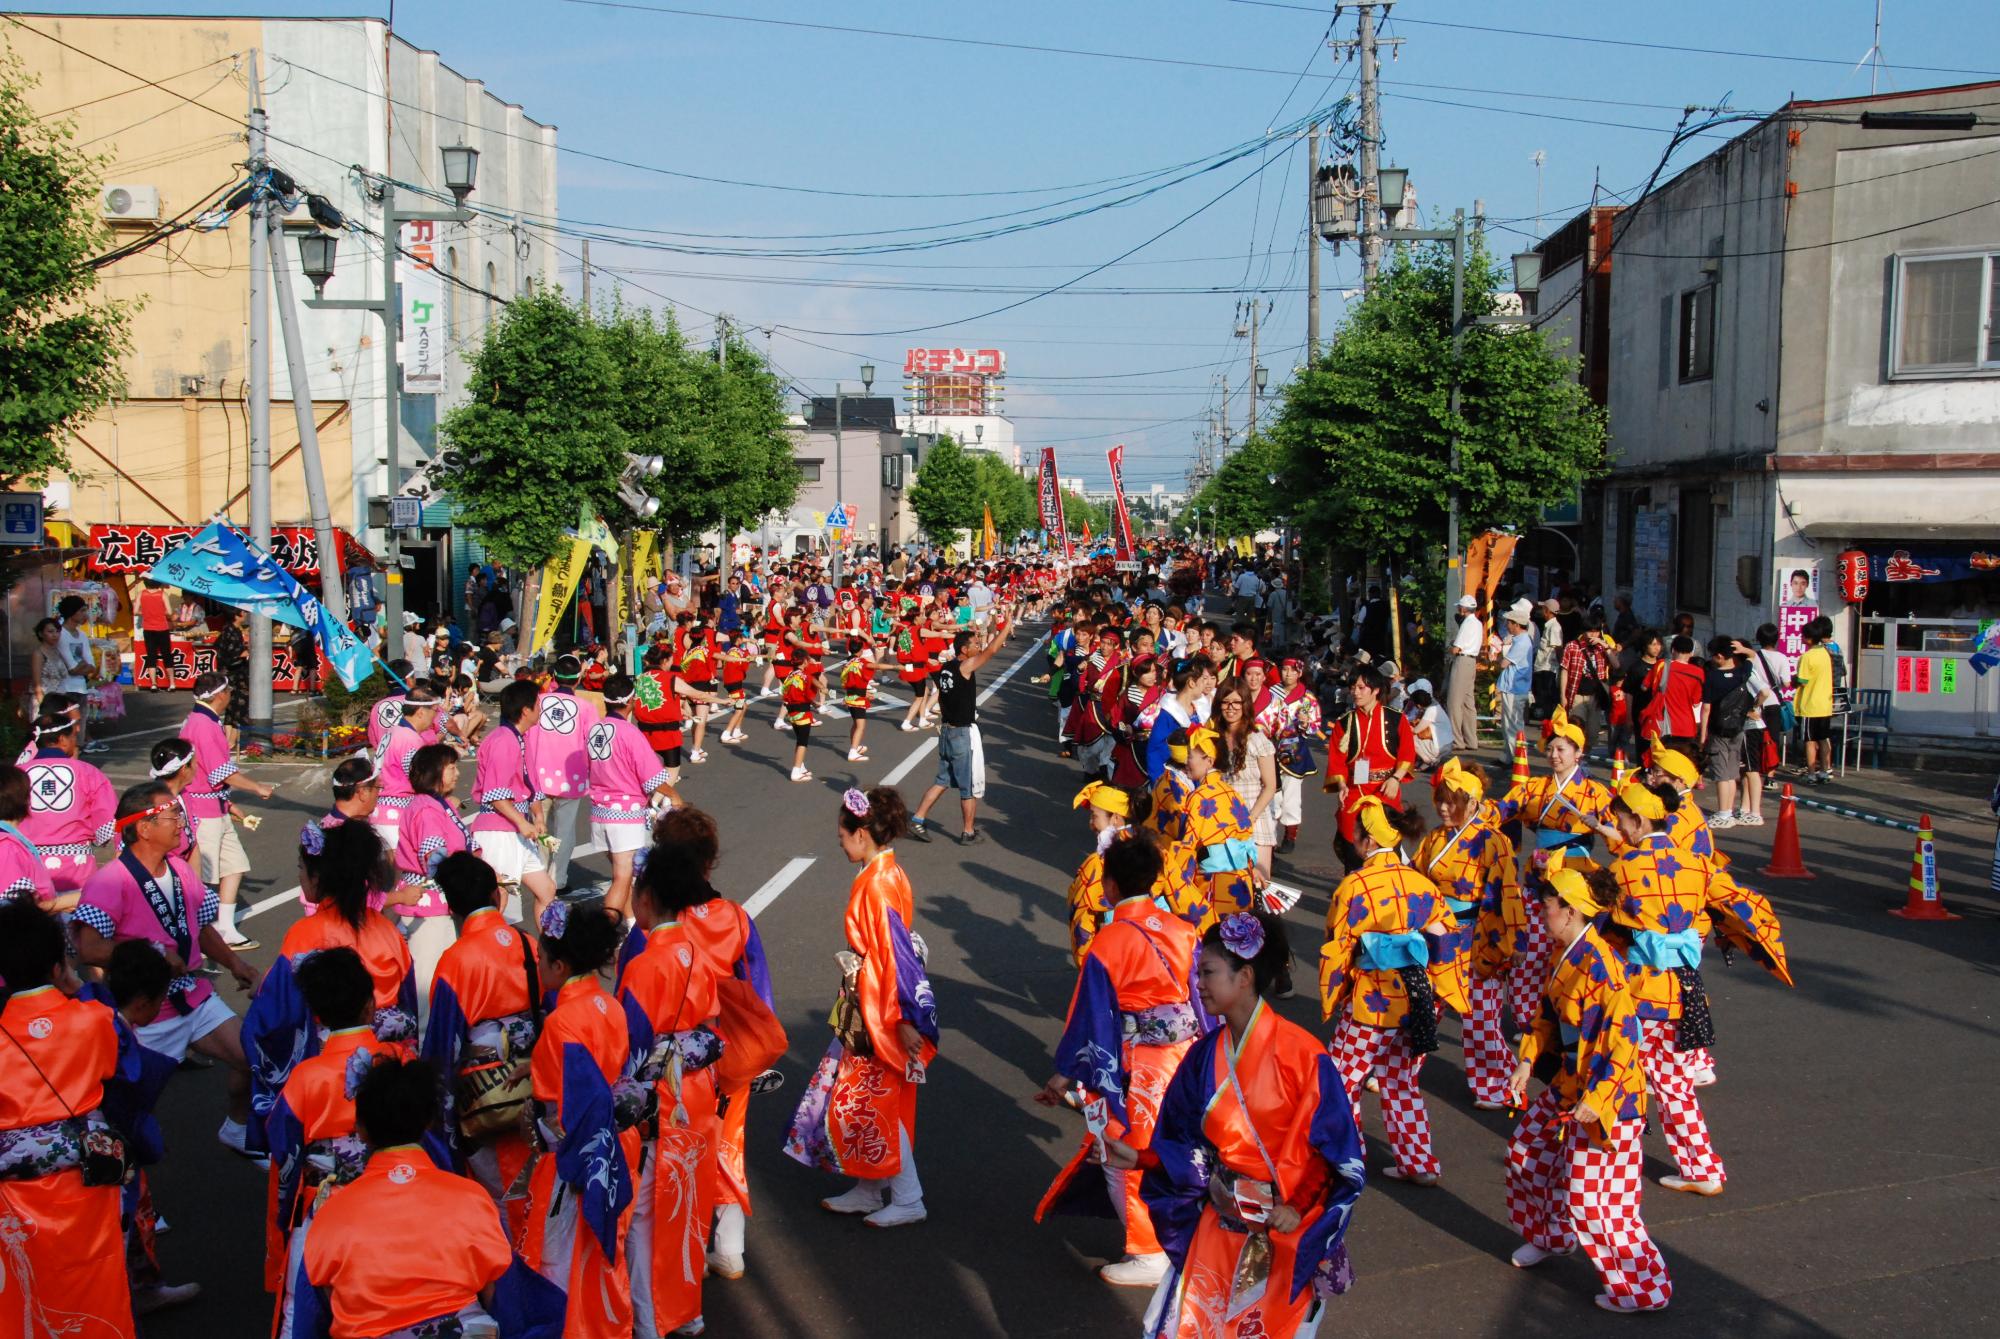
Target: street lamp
x,y
316,256
316,252
1263,378
1527,272
1393,184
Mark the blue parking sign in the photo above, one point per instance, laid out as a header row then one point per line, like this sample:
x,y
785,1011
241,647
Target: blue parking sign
x,y
21,519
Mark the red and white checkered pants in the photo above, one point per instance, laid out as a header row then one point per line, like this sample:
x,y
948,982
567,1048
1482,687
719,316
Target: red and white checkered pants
x,y
1562,1191
1673,1097
1530,971
1357,1049
1488,1059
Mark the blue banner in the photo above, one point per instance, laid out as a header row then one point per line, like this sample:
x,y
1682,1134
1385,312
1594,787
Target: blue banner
x,y
222,564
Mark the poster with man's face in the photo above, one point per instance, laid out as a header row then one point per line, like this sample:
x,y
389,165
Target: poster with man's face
x,y
1798,605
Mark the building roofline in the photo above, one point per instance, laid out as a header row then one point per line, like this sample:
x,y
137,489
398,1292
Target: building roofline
x,y
1891,97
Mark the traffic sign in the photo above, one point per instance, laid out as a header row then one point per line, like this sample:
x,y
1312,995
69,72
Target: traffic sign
x,y
837,517
21,520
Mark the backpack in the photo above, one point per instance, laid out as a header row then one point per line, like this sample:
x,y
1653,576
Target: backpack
x,y
1730,713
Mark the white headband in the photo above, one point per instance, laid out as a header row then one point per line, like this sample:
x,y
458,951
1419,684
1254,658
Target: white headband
x,y
167,769
216,691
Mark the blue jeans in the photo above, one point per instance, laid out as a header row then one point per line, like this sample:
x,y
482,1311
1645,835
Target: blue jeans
x,y
1513,717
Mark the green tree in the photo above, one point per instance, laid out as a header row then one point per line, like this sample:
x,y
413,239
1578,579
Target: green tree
x,y
945,496
1364,435
541,434
1240,499
1010,496
1077,510
59,344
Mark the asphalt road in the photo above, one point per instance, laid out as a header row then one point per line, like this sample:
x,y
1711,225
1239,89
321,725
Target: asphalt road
x,y
1855,1113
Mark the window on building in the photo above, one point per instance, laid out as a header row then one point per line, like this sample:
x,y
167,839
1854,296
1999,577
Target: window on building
x,y
1694,552
1697,341
809,470
1943,315
1630,500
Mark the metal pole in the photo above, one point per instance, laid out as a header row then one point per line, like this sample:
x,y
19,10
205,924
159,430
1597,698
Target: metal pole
x,y
258,354
586,275
333,593
1253,371
1370,220
839,467
392,375
1454,583
1312,247
722,365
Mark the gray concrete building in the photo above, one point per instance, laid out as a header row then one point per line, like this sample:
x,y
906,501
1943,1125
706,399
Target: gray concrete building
x,y
1804,376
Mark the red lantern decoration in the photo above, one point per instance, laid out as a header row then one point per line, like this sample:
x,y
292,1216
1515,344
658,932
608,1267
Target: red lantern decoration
x,y
1854,576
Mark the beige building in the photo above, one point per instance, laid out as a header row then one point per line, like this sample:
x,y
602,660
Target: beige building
x,y
165,101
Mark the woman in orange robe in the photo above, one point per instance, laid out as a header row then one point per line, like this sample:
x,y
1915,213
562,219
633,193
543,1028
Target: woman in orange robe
x,y
1131,1020
678,870
62,1252
580,1192
859,1113
1255,1164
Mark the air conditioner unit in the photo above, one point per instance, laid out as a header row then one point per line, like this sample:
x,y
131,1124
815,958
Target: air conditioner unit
x,y
130,204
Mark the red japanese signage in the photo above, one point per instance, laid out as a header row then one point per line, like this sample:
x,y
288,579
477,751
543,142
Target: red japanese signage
x,y
975,362
186,662
1121,520
135,548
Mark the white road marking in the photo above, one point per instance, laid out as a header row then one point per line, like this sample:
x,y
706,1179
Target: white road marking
x,y
908,765
777,884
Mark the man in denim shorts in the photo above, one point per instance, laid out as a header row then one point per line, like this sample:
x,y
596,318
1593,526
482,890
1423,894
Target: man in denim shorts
x,y
961,763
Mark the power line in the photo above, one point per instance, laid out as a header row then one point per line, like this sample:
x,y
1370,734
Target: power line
x,y
1627,42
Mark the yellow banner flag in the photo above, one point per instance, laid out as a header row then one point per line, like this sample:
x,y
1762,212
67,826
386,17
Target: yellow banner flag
x,y
560,576
989,538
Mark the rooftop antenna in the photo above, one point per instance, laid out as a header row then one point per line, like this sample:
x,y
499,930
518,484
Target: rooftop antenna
x,y
1872,57
1538,157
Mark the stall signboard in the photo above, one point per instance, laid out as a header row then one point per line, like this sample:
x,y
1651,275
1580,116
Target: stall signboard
x,y
186,661
123,548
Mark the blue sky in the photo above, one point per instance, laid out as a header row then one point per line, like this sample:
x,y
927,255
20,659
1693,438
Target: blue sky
x,y
886,116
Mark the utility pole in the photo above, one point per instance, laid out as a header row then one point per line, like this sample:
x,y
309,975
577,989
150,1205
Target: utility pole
x,y
1222,453
1255,389
839,471
586,275
1312,247
333,590
1371,148
258,354
722,364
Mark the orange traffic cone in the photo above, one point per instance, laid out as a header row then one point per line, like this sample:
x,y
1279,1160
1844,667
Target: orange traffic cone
x,y
1520,777
1618,770
1923,904
1786,862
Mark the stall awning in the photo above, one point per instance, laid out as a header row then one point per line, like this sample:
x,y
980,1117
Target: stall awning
x,y
121,548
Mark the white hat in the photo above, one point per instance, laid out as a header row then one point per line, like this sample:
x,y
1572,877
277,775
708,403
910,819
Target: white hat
x,y
508,625
411,620
1521,612
1468,602
1423,686
1552,605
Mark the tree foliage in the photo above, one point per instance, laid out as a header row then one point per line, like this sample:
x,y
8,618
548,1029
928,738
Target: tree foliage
x,y
560,395
59,344
1011,497
542,432
945,496
1079,511
1239,499
1364,436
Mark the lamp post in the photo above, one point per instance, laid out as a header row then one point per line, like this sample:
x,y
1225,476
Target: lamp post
x,y
316,259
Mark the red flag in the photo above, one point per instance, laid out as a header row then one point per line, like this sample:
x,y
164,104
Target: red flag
x,y
1121,520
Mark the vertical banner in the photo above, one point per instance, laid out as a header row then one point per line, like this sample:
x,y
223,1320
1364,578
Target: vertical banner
x,y
420,347
1052,501
560,576
1798,605
989,538
1121,520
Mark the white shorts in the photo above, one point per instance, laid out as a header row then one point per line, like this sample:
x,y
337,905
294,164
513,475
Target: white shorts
x,y
512,856
221,850
172,1033
619,838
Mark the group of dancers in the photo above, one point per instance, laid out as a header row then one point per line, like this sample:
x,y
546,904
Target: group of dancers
x,y
1561,912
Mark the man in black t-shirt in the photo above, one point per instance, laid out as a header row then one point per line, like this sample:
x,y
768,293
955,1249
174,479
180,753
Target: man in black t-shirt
x,y
961,762
1726,707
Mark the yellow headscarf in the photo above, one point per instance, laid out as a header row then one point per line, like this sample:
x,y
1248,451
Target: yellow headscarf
x,y
1373,816
1642,802
1177,753
1673,762
1454,777
1560,728
1202,737
1106,797
1570,886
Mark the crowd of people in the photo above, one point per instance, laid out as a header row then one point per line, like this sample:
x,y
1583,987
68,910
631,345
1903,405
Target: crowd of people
x,y
488,1103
